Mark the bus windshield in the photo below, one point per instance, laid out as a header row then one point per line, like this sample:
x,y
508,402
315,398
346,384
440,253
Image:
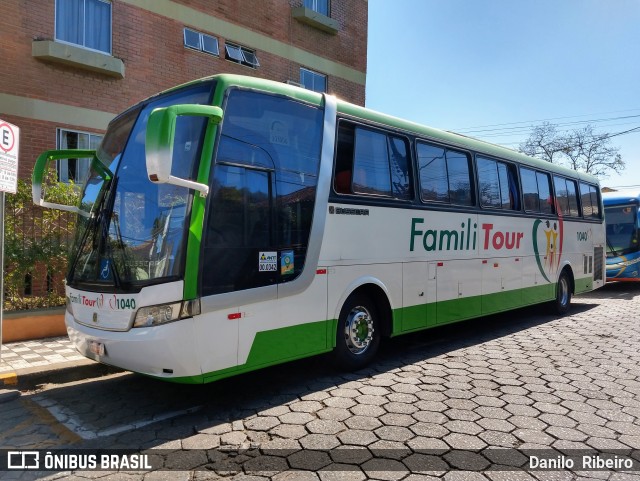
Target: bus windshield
x,y
622,229
136,231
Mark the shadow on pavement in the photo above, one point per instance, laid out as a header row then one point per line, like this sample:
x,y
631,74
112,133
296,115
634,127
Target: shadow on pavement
x,y
135,412
615,290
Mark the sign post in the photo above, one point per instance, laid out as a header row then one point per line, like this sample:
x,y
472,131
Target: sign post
x,y
9,148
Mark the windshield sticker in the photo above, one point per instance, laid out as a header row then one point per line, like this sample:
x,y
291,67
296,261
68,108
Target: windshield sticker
x,y
105,271
268,262
279,134
286,263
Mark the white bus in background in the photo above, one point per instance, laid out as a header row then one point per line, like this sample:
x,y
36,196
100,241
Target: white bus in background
x,y
234,223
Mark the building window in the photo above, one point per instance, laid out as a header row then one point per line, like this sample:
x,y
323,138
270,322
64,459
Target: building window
x,y
75,170
320,6
201,41
313,80
84,22
241,55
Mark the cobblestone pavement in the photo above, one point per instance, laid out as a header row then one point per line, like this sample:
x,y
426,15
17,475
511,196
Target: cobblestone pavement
x,y
452,403
37,353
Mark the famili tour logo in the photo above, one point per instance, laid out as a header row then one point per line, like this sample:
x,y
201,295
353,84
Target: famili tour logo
x,y
548,234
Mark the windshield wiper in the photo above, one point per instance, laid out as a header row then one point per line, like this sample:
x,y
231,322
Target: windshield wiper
x,y
91,227
123,252
105,246
611,249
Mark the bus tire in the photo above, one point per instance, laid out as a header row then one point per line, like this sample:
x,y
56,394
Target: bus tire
x,y
563,293
358,333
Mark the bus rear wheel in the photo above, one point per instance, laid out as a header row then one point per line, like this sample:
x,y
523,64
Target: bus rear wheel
x,y
563,293
358,333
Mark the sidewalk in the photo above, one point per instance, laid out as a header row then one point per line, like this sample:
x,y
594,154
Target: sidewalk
x,y
24,364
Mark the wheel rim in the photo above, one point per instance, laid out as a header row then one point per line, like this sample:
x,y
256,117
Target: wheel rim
x,y
563,293
358,330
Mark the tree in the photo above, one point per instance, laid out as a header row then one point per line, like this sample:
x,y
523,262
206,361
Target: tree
x,y
592,153
36,239
582,149
544,143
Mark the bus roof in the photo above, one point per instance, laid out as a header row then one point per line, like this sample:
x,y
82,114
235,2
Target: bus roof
x,y
620,197
429,133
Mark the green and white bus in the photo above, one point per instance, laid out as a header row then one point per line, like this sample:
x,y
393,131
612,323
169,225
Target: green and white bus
x,y
234,223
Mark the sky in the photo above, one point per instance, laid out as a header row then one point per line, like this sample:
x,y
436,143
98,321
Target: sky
x,y
493,69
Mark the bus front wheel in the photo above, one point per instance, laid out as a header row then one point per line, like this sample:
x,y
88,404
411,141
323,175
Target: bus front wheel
x,y
563,293
358,333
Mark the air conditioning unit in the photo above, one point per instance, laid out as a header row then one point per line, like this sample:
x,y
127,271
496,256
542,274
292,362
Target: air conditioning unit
x,y
293,82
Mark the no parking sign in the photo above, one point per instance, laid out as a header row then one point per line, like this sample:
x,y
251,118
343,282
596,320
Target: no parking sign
x,y
9,148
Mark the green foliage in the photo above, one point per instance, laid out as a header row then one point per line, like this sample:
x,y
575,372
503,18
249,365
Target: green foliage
x,y
33,302
37,241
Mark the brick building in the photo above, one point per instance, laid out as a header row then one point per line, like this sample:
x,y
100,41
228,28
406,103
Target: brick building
x,y
69,66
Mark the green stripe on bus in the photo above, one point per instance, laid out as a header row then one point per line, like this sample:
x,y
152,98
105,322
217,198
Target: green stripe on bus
x,y
296,342
275,347
424,316
583,285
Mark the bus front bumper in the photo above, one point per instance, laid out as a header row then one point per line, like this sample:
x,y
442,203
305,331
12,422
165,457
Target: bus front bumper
x,y
166,351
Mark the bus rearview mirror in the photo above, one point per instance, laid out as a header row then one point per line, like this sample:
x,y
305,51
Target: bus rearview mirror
x,y
45,177
160,137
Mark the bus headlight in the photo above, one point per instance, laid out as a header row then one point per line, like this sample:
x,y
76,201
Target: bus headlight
x,y
154,315
163,313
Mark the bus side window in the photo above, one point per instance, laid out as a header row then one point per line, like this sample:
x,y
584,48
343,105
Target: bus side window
x,y
536,187
399,165
343,182
371,162
514,192
572,193
509,193
530,190
544,192
490,191
459,177
445,175
562,195
595,201
566,196
344,159
498,184
585,197
590,202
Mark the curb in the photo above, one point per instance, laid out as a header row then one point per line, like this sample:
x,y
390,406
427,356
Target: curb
x,y
7,395
31,377
8,379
